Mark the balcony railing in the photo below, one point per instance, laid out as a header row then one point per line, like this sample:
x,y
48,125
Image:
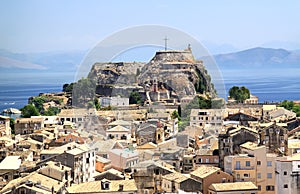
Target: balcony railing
x,y
244,168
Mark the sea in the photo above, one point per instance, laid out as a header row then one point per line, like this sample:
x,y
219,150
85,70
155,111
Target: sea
x,y
269,86
17,88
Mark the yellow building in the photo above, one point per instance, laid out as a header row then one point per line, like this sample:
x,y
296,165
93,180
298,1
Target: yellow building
x,y
265,167
242,167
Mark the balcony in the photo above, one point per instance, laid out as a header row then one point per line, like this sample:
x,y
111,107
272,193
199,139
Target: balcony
x,y
244,168
245,180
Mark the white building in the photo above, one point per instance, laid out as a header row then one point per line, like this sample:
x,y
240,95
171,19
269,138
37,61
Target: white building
x,y
118,132
207,118
113,101
288,175
81,159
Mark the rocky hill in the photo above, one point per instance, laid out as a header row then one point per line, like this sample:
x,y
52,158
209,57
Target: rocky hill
x,y
174,71
179,72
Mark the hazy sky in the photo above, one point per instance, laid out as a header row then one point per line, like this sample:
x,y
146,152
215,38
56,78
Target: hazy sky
x,y
55,25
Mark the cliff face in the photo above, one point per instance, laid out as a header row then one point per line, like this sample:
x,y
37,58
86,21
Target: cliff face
x,y
179,72
119,73
174,71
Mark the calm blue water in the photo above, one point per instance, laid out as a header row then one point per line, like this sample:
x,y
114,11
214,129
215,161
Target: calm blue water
x,y
275,85
16,88
269,85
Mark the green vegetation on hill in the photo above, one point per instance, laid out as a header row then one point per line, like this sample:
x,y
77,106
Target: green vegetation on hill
x,y
84,91
135,98
29,110
240,94
68,87
51,111
198,102
36,106
290,105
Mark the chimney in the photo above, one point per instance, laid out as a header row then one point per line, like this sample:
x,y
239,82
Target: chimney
x,y
121,187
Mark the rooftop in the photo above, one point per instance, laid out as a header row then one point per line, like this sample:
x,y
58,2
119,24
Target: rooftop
x,y
120,122
27,120
204,171
118,128
237,186
10,163
250,145
176,177
148,145
125,153
34,178
95,187
293,145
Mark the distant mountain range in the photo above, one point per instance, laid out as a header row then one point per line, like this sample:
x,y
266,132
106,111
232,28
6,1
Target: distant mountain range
x,y
262,58
48,61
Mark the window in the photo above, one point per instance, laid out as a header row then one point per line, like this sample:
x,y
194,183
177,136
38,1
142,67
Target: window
x,y
207,160
247,163
270,188
237,165
258,162
259,187
285,186
246,175
269,175
269,163
200,160
285,173
259,175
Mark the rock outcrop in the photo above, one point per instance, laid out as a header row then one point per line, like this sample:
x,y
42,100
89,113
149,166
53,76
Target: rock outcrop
x,y
171,72
179,72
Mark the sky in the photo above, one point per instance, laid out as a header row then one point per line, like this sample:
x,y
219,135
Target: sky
x,y
222,26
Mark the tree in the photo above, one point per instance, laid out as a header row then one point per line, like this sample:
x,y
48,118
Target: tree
x,y
135,98
12,125
29,110
175,115
97,103
52,111
240,94
90,104
290,105
287,104
68,87
38,102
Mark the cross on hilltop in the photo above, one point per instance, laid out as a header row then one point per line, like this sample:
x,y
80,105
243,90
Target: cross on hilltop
x,y
166,42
